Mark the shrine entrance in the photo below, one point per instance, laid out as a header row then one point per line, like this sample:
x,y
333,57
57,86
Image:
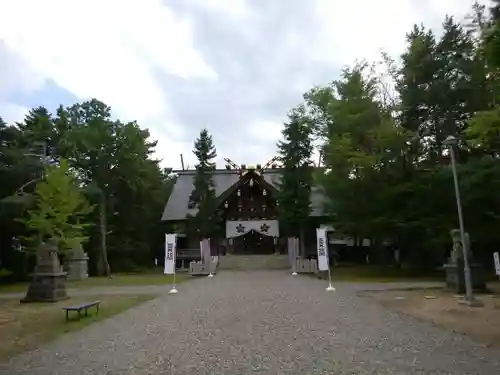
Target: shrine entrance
x,y
252,236
253,242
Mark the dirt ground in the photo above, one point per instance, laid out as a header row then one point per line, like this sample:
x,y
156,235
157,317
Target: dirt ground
x,y
443,308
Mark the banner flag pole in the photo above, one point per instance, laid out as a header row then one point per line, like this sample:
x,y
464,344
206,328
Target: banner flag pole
x,y
295,248
173,290
291,254
323,259
329,288
208,257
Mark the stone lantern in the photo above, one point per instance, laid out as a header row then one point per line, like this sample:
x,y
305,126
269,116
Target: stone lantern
x,y
49,280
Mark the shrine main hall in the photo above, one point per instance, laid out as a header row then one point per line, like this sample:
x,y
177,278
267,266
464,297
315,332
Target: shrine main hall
x,y
246,198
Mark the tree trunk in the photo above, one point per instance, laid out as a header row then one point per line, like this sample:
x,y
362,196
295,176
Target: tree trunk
x,y
103,265
302,243
25,263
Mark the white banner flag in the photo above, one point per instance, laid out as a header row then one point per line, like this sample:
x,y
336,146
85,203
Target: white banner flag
x,y
496,260
170,249
322,245
205,251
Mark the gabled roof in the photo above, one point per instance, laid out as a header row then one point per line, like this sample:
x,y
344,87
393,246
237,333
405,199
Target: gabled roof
x,y
177,205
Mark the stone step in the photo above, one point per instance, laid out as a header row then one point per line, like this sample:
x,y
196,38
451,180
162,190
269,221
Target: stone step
x,y
253,262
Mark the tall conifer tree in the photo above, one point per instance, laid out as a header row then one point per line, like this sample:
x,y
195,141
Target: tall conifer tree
x,y
295,184
203,198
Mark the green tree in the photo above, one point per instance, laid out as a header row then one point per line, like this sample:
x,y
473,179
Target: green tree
x,y
363,154
112,163
88,147
205,222
492,36
352,151
441,83
294,187
38,131
112,160
59,209
484,127
19,172
385,172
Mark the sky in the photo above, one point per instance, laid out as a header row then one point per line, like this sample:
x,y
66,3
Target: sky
x,y
235,67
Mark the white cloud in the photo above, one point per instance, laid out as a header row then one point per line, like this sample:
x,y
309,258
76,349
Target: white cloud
x,y
265,130
353,30
16,75
11,112
109,49
457,8
228,8
361,29
117,51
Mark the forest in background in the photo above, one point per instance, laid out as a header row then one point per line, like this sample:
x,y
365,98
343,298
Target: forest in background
x,y
387,168
110,164
381,135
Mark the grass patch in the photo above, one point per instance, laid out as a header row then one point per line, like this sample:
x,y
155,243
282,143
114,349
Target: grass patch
x,y
27,326
376,274
13,288
126,280
117,280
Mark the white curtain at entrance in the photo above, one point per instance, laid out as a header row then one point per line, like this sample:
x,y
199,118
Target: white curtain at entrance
x,y
238,228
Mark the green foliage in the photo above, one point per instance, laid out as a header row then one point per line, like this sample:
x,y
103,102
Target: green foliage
x,y
111,163
295,183
203,200
112,160
39,136
484,130
60,208
386,174
492,36
442,83
361,142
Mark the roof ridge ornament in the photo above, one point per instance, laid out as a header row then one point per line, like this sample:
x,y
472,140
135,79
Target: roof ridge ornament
x,y
244,169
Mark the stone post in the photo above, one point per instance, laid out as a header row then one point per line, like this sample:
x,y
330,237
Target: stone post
x,y
78,264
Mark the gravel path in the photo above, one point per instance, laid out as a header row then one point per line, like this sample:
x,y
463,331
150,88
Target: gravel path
x,y
259,323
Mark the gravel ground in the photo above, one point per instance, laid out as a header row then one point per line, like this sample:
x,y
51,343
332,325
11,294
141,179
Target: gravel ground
x,y
259,323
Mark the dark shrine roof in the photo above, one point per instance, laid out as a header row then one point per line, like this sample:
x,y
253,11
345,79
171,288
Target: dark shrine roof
x,y
177,205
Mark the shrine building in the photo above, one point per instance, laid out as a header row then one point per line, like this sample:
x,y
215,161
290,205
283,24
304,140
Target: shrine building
x,y
247,199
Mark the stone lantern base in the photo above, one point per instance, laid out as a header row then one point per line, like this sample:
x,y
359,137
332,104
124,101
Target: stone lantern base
x,y
49,280
47,288
455,278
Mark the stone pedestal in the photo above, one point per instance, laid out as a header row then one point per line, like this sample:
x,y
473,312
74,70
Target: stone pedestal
x,y
455,278
306,266
49,280
200,268
78,265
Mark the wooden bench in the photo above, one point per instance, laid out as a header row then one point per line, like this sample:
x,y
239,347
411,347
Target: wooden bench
x,y
82,307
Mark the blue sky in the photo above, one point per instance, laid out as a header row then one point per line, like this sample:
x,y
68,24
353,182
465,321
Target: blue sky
x,y
233,66
50,95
